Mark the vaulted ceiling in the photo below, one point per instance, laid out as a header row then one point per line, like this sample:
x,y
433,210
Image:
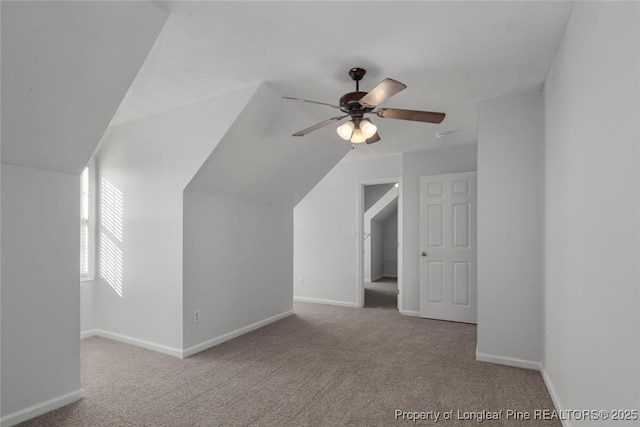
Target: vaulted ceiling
x,y
451,55
67,66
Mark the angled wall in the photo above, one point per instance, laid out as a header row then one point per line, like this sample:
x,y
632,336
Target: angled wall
x,y
259,160
238,220
144,167
65,68
196,213
326,232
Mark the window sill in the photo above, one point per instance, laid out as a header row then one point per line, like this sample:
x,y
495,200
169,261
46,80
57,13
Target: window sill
x,y
87,280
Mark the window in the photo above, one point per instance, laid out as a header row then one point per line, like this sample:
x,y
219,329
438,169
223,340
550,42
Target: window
x,y
87,190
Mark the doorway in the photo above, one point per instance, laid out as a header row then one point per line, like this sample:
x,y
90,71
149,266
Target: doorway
x,y
379,244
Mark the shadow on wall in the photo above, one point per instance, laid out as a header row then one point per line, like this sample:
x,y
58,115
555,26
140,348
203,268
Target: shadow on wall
x,y
111,222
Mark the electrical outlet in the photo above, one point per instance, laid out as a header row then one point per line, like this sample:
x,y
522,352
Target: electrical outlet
x,y
301,281
196,316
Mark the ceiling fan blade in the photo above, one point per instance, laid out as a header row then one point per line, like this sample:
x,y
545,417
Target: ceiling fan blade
x,y
312,102
382,92
374,138
317,126
416,116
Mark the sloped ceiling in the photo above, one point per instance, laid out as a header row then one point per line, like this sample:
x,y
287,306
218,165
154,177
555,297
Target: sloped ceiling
x,y
452,55
65,68
384,207
373,193
387,211
170,147
253,162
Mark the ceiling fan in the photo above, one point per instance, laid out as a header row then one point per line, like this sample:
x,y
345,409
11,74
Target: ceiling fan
x,y
356,104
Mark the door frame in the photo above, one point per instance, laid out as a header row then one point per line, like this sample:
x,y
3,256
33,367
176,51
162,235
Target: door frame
x,y
360,235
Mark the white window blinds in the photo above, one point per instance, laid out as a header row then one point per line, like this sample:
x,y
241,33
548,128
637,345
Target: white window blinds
x,y
84,224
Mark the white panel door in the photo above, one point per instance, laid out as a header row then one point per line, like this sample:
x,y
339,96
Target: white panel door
x,y
448,247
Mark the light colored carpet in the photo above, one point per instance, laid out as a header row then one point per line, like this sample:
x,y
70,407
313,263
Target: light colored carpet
x,y
324,366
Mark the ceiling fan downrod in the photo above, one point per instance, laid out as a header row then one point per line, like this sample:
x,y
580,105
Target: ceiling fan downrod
x,y
357,74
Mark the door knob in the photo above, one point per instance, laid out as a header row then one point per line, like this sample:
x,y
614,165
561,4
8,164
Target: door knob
x,y
424,254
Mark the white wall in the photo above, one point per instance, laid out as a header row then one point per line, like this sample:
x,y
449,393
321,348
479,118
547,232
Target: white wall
x,y
390,246
40,288
510,146
325,231
238,225
87,308
151,161
65,68
238,259
366,249
376,248
415,165
0,217
377,210
592,351
223,166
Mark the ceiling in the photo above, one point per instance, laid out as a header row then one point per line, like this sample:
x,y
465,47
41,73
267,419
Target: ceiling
x,y
451,55
65,68
387,211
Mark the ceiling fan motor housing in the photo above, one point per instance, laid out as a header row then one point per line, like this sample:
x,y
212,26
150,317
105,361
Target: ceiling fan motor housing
x,y
350,104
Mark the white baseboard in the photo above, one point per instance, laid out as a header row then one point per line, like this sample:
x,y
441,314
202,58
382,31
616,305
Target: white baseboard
x,y
554,396
89,333
175,352
527,364
373,279
326,301
228,336
410,313
508,361
41,408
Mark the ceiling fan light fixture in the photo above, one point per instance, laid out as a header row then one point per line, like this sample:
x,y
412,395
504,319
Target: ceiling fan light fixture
x,y
358,136
346,130
368,128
